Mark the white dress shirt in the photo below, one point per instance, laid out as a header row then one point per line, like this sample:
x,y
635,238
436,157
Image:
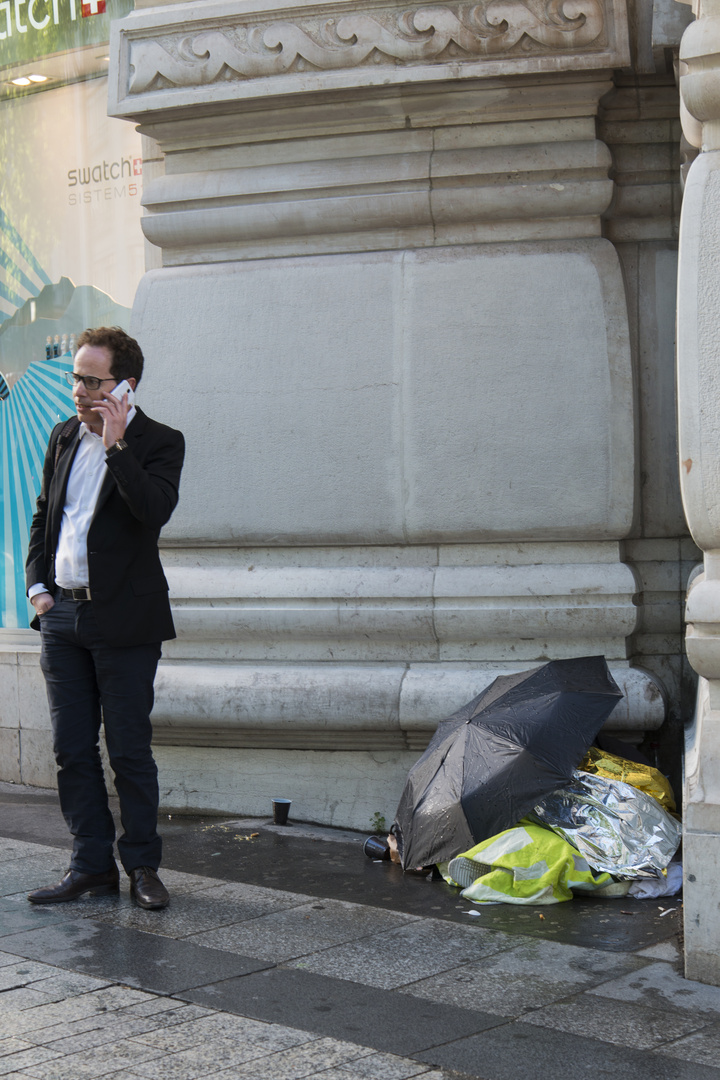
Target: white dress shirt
x,y
86,477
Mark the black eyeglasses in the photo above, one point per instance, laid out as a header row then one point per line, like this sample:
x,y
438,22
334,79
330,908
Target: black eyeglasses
x,y
91,382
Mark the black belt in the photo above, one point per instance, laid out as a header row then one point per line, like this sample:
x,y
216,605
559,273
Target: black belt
x,y
75,594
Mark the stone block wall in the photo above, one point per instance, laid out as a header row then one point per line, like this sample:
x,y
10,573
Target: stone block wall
x,y
410,302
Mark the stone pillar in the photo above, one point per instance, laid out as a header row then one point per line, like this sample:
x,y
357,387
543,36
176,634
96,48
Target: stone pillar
x,y
699,447
389,323
639,122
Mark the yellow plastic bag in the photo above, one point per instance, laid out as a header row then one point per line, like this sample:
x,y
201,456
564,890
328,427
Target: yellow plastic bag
x,y
643,777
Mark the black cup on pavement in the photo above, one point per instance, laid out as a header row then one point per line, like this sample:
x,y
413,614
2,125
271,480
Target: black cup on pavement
x,y
376,847
281,809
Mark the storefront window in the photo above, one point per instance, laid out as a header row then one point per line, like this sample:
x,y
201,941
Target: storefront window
x,y
71,246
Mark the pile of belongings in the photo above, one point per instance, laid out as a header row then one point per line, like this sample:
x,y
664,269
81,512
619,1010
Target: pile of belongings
x,y
515,805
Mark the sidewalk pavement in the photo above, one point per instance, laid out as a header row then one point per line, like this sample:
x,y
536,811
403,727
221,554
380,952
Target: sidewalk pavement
x,y
285,953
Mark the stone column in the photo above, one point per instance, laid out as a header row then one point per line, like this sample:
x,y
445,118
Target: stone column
x,y
639,122
699,447
389,324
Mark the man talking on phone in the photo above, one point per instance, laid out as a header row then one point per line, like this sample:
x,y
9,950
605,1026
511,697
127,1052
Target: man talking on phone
x,y
110,483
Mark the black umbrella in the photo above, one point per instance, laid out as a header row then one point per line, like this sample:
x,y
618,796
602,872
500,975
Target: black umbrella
x,y
491,761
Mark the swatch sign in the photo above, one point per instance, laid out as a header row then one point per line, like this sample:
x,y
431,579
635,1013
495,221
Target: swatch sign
x,y
31,29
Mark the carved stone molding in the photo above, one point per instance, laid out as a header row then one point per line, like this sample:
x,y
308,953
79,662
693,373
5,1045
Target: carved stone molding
x,y
703,629
424,34
389,614
638,122
417,196
233,53
366,707
700,81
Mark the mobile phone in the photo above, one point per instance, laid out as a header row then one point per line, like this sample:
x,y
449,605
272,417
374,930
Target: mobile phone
x,y
124,387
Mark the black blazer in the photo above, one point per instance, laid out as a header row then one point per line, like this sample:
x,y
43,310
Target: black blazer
x,y
138,495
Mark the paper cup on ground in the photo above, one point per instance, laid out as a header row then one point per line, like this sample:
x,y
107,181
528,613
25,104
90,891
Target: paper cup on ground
x,y
376,847
281,809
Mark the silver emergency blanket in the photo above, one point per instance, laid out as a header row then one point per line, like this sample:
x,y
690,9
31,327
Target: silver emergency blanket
x,y
616,827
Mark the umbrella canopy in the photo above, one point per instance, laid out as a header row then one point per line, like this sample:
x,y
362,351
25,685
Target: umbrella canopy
x,y
491,761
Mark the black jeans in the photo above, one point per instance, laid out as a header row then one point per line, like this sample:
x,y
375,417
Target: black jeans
x,y
86,677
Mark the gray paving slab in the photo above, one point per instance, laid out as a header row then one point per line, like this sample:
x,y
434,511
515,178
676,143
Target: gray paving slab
x,y
196,911
109,1057
216,1027
25,997
211,1055
173,1067
31,1059
244,893
669,951
22,972
27,1022
530,975
16,914
113,998
606,925
407,954
703,1046
352,1072
382,1019
13,1045
410,1068
187,1065
7,958
99,1035
285,935
309,1059
26,1076
146,961
62,1071
178,881
303,829
65,984
377,1067
11,848
51,983
124,1074
522,1050
21,875
107,908
623,1023
660,986
167,1009
30,813
114,1024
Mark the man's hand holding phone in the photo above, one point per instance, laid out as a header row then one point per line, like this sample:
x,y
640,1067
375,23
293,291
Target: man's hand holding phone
x,y
114,408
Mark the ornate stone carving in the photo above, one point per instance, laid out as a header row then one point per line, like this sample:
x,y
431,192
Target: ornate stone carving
x,y
490,29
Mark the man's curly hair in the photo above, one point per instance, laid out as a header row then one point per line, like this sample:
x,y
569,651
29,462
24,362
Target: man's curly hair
x,y
127,358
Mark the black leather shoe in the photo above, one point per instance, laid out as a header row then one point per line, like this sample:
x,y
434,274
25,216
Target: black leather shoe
x,y
146,888
74,884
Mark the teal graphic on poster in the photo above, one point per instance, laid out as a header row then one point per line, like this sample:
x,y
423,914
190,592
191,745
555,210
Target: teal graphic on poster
x,y
27,416
31,403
